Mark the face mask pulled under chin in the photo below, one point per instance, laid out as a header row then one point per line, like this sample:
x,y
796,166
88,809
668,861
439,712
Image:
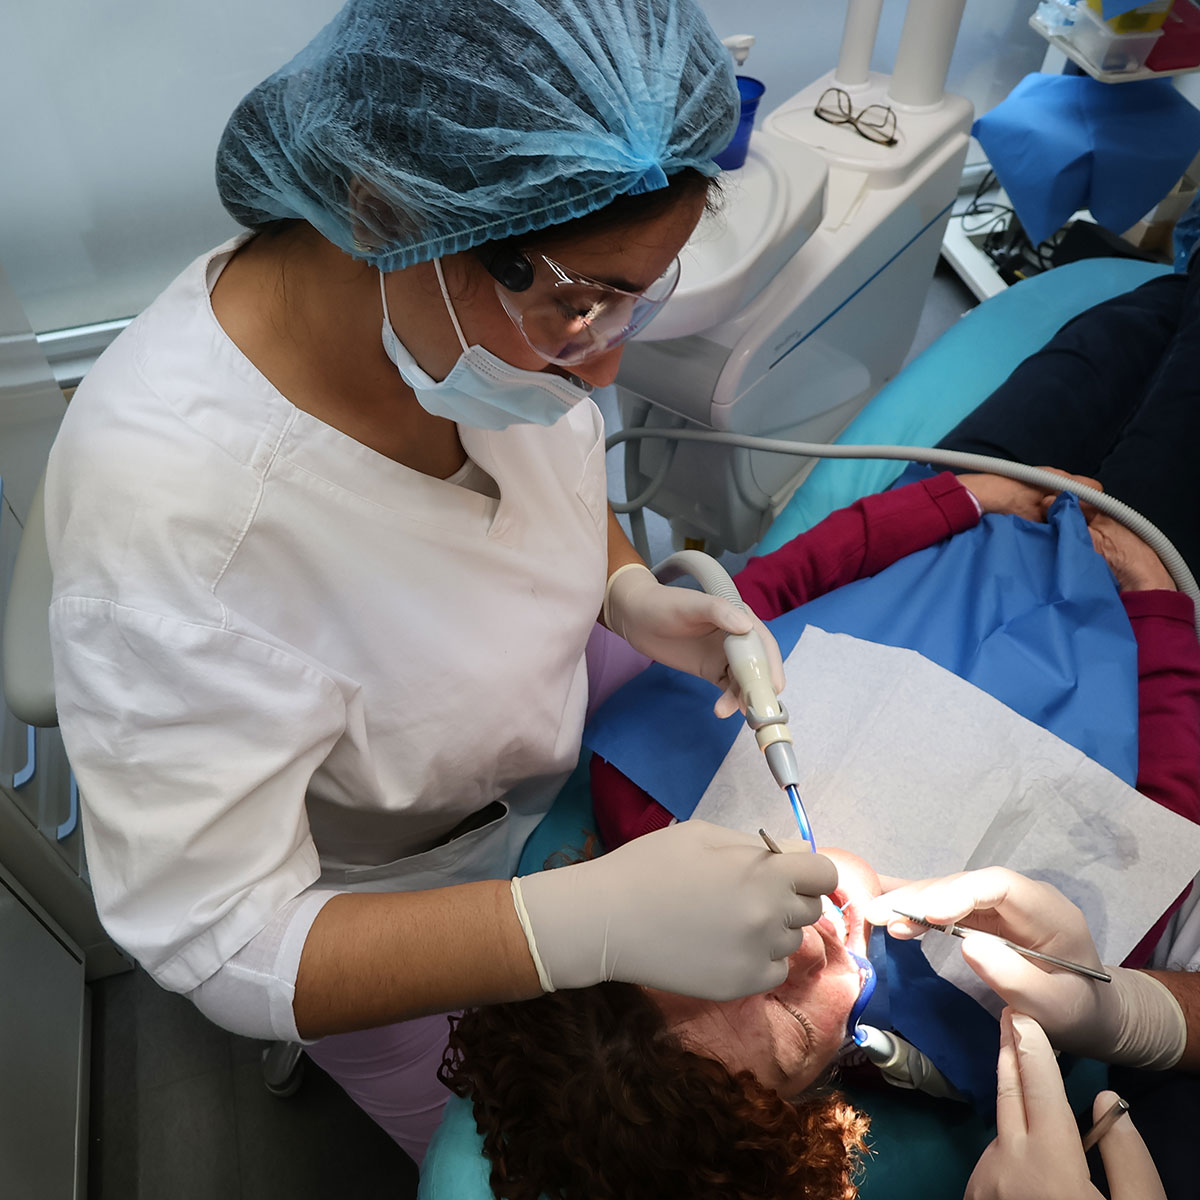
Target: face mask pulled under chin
x,y
483,391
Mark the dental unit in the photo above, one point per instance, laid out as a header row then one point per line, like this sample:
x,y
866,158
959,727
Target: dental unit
x,y
801,298
795,305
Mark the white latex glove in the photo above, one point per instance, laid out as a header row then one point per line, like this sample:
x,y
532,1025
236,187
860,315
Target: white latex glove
x,y
1134,1020
684,629
693,909
1037,1154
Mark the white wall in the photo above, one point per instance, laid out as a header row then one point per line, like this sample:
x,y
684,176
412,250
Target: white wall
x,y
113,109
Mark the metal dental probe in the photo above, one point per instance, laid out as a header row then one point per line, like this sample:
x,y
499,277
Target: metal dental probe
x,y
960,932
771,843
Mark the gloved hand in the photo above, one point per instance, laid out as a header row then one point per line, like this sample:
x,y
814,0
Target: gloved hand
x,y
1133,1021
684,629
1037,1154
693,908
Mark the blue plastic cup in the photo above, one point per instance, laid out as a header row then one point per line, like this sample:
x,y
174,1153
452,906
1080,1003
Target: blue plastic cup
x,y
751,92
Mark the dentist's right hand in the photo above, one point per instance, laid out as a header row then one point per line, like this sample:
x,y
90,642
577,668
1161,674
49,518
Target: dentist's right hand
x,y
693,908
1037,1154
1134,1020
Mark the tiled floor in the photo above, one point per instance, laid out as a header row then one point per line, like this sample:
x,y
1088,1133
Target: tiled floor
x,y
178,1107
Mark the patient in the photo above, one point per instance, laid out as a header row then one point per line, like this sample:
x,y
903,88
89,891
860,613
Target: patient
x,y
675,1096
619,1092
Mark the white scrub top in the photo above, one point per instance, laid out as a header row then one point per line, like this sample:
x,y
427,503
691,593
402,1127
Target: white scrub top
x,y
283,659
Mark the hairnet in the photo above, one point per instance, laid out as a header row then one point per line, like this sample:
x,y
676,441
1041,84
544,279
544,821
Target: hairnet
x,y
410,129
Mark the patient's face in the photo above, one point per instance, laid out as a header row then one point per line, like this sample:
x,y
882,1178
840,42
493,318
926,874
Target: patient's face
x,y
789,1035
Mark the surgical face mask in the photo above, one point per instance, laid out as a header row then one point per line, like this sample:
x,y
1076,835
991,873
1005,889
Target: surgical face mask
x,y
481,391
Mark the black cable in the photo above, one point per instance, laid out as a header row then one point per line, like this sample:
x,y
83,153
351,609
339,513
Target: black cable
x,y
1005,241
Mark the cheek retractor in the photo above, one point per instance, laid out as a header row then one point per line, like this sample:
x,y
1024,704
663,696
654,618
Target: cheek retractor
x,y
866,985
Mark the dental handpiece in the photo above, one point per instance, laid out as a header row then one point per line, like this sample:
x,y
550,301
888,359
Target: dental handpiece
x,y
767,716
751,670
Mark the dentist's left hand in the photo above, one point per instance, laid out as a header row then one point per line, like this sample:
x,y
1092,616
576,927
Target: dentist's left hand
x,y
684,629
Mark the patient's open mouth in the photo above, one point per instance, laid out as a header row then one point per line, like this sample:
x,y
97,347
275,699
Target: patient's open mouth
x,y
831,910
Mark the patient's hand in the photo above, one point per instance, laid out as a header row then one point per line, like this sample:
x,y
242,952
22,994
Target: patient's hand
x,y
1135,565
999,494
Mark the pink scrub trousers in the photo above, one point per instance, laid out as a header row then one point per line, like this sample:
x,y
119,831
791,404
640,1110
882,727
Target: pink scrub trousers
x,y
391,1074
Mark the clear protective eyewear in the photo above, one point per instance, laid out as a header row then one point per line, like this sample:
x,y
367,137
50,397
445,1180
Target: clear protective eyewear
x,y
567,317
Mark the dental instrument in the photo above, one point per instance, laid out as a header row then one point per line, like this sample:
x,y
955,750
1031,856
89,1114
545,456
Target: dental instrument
x,y
960,931
903,1065
772,844
750,668
1110,1117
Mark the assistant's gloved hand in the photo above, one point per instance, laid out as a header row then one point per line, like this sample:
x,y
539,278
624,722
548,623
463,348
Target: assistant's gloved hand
x,y
684,629
1134,1020
1037,1154
693,908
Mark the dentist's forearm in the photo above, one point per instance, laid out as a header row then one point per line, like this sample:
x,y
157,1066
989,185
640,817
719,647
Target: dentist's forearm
x,y
373,958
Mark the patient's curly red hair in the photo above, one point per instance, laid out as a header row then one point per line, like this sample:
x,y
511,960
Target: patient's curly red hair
x,y
588,1095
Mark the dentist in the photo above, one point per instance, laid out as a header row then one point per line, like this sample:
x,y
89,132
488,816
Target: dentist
x,y
329,538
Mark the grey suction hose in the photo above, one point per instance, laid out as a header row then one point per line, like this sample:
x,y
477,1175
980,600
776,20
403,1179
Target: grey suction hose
x,y
748,664
903,1065
1149,533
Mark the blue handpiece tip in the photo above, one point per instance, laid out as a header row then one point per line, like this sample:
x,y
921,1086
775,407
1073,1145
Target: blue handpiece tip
x,y
801,816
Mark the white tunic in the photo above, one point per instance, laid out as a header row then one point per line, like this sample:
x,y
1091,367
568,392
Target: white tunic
x,y
283,660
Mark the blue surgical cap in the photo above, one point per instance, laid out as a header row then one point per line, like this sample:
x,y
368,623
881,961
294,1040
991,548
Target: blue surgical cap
x,y
411,129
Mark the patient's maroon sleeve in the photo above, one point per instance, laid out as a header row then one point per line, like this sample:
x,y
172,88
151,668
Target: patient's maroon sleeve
x,y
1168,699
855,542
849,544
1168,715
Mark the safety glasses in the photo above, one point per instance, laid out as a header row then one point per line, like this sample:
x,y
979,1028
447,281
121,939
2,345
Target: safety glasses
x,y
567,317
876,122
